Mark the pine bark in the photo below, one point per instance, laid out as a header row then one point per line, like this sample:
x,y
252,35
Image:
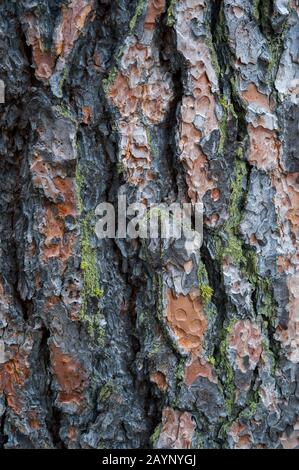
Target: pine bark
x,y
121,343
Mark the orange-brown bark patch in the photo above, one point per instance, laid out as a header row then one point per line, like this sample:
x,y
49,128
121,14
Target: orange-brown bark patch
x,y
215,194
287,198
246,340
123,97
57,244
185,316
51,302
240,435
253,96
44,60
287,202
74,17
155,8
264,148
177,430
72,433
13,374
159,379
141,92
66,189
199,368
87,114
70,376
33,420
290,336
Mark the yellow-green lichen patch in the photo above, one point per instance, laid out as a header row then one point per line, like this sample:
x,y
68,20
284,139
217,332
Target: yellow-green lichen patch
x,y
88,261
91,291
150,142
106,391
213,36
267,302
79,184
206,292
228,110
64,111
91,284
213,54
249,411
212,361
269,354
155,436
262,12
233,245
225,368
155,348
180,371
120,168
230,245
171,13
199,441
108,82
138,12
255,10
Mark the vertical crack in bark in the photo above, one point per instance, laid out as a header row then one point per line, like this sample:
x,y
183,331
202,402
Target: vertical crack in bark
x,y
54,416
3,434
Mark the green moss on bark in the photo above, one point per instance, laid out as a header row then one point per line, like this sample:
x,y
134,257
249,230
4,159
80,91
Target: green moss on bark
x,y
225,369
108,82
138,12
206,292
155,436
106,391
171,13
91,282
262,11
228,111
232,246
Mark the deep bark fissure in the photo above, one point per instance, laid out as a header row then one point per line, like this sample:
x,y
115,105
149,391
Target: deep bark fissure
x,y
53,417
3,435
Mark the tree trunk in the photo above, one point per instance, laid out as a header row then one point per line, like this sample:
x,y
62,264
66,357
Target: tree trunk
x,y
132,343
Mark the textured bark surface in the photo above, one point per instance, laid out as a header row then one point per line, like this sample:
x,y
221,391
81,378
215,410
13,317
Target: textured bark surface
x,y
134,343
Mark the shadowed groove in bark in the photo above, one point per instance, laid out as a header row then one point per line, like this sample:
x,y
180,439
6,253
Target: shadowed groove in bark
x,y
53,418
3,435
